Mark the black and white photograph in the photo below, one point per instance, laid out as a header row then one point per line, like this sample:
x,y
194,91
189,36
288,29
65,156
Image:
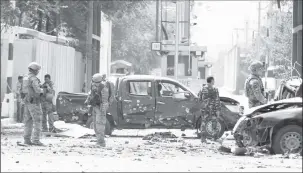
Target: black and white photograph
x,y
151,86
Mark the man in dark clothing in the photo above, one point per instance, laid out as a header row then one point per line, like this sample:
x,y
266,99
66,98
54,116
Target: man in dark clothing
x,y
210,101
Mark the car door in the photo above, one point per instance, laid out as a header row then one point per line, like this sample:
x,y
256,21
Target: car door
x,y
172,107
138,102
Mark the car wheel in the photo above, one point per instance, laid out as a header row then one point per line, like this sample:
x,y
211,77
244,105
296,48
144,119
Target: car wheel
x,y
288,139
108,128
210,130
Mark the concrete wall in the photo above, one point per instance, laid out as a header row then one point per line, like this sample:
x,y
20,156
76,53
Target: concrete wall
x,y
231,70
105,53
218,70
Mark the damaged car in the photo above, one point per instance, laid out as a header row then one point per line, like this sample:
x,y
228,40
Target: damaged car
x,y
277,125
145,101
288,88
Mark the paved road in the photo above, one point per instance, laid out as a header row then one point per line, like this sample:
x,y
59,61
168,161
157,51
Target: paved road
x,y
126,151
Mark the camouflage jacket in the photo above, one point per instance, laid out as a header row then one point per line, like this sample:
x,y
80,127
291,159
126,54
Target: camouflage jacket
x,y
105,95
34,90
254,90
48,88
209,98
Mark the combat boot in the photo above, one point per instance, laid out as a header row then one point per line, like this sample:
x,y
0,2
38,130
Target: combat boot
x,y
101,144
38,143
27,142
55,130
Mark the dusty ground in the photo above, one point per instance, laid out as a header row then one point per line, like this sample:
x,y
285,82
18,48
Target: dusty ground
x,y
126,151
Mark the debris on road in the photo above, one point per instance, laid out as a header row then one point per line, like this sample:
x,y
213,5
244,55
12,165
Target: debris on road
x,y
159,136
224,149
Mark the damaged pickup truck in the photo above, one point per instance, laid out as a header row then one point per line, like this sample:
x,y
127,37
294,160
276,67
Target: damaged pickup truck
x,y
277,125
144,101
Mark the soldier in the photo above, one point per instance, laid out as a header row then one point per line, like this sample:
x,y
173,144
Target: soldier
x,y
254,90
253,86
32,114
47,105
99,98
20,105
210,101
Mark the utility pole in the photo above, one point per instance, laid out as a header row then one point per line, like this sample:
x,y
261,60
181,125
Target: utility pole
x,y
177,41
259,28
157,20
246,33
89,40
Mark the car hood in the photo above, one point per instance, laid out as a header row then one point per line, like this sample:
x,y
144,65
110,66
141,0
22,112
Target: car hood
x,y
290,100
291,113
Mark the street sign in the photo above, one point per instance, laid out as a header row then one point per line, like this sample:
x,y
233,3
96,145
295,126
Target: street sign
x,y
156,46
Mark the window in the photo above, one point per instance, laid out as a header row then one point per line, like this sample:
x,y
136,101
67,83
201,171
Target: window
x,y
168,89
170,65
185,66
142,88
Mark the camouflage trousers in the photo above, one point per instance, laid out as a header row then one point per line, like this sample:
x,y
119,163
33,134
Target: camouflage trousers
x,y
99,117
32,122
206,116
47,109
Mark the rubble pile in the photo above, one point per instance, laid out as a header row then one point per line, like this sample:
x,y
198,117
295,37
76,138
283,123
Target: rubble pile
x,y
160,136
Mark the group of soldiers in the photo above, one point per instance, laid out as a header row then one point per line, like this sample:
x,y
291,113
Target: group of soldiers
x,y
38,104
210,100
37,100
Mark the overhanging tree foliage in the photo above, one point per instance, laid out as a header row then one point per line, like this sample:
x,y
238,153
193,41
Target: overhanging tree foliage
x,y
133,24
278,44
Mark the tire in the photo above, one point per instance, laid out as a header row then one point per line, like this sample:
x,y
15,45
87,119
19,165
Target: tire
x,y
108,128
290,131
208,122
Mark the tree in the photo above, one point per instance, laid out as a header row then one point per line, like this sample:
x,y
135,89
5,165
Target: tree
x,y
132,38
276,41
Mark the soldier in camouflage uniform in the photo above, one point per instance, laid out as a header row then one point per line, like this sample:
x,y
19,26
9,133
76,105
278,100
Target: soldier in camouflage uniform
x,y
210,101
47,105
254,90
99,98
253,86
32,114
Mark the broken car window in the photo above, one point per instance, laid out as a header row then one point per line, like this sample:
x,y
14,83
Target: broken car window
x,y
141,88
168,89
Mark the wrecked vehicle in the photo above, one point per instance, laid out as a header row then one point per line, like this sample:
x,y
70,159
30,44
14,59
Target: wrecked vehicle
x,y
277,125
144,101
288,88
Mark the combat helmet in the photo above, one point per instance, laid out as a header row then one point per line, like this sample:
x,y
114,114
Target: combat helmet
x,y
97,77
34,66
255,66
